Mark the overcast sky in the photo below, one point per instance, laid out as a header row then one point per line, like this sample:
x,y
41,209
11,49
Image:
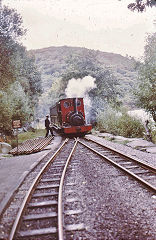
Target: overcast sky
x,y
105,25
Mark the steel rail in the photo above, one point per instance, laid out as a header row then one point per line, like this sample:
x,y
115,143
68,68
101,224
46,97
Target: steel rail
x,y
60,212
28,195
124,155
121,167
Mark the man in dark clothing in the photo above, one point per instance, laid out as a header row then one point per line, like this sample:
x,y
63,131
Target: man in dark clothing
x,y
47,126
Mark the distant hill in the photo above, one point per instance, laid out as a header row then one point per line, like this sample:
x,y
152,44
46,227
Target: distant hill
x,y
52,62
60,54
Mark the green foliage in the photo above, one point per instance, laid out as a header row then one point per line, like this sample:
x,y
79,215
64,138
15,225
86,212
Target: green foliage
x,y
146,89
107,84
10,31
27,74
49,98
25,136
19,103
6,113
31,135
119,123
130,127
13,106
115,75
107,120
10,23
141,5
20,82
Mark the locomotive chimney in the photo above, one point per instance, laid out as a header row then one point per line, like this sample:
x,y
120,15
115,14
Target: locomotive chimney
x,y
75,105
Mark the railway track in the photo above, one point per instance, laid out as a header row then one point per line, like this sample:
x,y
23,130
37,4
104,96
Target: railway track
x,y
43,213
144,173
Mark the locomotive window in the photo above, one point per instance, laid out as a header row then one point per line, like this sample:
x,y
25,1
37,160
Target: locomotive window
x,y
66,104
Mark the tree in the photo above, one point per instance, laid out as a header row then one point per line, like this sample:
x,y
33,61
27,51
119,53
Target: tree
x,y
10,24
27,74
146,90
141,5
6,113
20,81
19,103
13,106
10,32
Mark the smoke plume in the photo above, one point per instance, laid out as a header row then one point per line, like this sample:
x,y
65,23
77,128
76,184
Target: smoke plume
x,y
80,88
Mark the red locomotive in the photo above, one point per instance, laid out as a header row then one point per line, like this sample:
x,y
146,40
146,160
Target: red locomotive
x,y
68,117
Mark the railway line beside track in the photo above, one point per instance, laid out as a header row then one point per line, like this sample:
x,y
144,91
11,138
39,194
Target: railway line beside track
x,y
144,173
88,191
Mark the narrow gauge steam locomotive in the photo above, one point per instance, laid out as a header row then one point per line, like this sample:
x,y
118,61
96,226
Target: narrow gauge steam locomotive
x,y
68,117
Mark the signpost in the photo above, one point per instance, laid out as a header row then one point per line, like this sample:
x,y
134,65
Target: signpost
x,y
15,125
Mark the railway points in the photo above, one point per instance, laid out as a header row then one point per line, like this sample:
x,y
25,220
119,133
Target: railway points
x,y
100,200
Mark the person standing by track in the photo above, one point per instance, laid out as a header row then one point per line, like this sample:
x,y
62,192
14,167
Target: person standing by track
x,y
47,126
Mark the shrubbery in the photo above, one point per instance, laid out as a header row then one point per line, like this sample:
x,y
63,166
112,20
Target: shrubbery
x,y
119,123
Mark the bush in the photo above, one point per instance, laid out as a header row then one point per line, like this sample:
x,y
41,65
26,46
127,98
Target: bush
x,y
107,121
119,123
129,126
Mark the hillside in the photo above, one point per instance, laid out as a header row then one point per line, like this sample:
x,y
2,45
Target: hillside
x,y
52,62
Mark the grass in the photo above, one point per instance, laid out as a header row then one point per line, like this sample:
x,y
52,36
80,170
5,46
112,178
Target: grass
x,y
31,135
124,142
27,135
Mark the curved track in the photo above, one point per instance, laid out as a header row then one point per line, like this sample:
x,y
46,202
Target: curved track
x,y
144,173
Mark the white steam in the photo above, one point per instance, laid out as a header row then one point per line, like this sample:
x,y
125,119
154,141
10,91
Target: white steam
x,y
80,88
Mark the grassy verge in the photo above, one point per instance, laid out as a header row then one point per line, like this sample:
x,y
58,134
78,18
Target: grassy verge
x,y
27,135
31,135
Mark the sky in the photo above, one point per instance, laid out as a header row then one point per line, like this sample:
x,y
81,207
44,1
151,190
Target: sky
x,y
105,25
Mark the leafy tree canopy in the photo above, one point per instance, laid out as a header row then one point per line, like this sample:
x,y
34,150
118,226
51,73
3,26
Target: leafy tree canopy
x,y
10,24
10,31
141,5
